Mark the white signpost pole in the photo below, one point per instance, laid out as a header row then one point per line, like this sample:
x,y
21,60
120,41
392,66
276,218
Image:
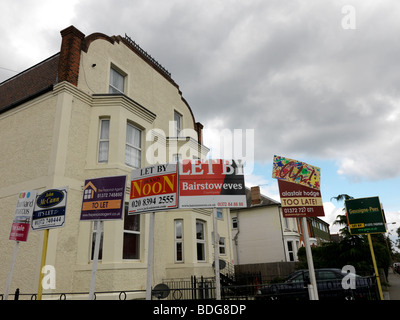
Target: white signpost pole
x,y
14,257
310,262
216,256
150,257
20,228
99,231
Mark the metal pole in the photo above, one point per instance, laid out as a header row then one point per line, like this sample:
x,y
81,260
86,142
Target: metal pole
x,y
99,231
14,257
310,262
43,262
150,257
216,256
375,267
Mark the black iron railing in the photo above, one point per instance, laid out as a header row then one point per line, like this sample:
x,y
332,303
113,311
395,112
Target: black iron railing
x,y
147,56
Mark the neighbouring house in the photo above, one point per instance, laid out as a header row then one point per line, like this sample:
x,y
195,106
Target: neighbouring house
x,y
263,240
260,234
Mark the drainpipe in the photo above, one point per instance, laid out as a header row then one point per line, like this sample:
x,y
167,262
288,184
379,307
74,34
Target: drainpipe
x,y
236,237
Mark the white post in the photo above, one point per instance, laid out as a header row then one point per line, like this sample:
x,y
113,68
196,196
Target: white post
x,y
216,256
310,260
150,258
99,231
14,257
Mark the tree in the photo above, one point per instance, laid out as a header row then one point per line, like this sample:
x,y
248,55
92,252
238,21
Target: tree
x,y
398,239
352,250
341,219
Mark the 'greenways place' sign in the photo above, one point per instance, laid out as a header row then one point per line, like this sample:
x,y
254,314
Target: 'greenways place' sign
x,y
365,215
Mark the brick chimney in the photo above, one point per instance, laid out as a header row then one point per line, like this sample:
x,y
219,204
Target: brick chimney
x,y
70,55
255,195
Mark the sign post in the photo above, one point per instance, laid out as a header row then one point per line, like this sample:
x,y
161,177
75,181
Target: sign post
x,y
216,256
99,230
49,213
153,188
310,261
212,184
299,188
20,228
103,199
365,216
150,258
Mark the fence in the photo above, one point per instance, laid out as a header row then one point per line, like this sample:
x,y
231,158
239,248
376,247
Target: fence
x,y
100,295
238,286
365,289
269,271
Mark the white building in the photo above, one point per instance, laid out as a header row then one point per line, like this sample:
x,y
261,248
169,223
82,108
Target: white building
x,y
260,234
100,107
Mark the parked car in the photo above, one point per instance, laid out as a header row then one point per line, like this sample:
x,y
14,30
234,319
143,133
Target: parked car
x,y
329,284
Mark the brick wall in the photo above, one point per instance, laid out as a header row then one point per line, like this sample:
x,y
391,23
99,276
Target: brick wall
x,y
70,55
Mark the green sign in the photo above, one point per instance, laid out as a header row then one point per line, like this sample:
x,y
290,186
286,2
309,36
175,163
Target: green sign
x,y
365,215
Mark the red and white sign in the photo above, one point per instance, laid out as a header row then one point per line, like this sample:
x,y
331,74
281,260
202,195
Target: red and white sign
x,y
154,188
300,201
211,184
23,216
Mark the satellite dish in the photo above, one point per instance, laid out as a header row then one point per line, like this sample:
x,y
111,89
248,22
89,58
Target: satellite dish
x,y
160,291
222,264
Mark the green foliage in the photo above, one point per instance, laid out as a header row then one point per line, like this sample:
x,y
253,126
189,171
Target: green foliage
x,y
352,250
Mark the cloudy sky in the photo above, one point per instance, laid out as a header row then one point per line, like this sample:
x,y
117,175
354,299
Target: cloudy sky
x,y
317,81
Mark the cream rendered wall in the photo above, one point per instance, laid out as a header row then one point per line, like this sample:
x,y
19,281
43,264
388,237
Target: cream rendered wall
x,y
143,84
160,99
52,142
33,136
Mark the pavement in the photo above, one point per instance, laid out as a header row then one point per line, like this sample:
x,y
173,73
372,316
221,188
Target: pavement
x,y
394,285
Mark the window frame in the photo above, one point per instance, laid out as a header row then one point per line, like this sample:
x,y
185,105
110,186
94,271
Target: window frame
x,y
179,241
201,242
235,222
93,240
102,140
111,86
129,145
290,248
222,246
178,122
134,232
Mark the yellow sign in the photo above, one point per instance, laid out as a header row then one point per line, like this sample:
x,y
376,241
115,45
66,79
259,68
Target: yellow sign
x,y
357,225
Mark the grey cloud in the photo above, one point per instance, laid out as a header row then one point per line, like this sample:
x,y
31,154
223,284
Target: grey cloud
x,y
285,68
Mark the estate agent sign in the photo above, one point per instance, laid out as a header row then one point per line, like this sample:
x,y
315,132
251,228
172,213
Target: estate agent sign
x,y
299,187
49,210
103,198
23,215
365,215
154,188
211,184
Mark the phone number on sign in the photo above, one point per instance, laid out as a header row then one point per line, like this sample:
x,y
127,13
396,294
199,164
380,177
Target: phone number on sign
x,y
298,210
152,203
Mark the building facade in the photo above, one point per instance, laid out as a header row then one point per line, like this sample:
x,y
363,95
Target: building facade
x,y
100,107
260,234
